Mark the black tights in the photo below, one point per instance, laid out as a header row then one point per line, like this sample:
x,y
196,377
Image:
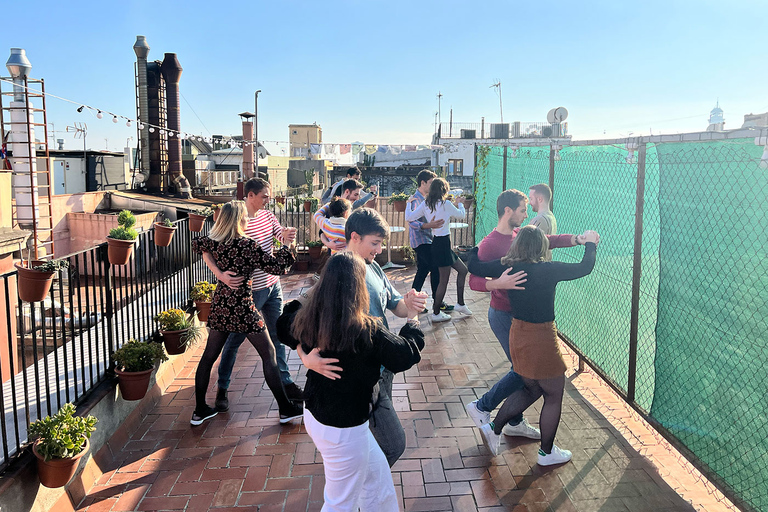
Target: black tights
x,y
445,275
520,400
266,350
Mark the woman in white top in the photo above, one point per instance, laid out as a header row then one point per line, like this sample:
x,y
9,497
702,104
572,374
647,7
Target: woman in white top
x,y
436,206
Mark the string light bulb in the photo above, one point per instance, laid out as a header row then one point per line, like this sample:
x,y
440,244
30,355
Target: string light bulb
x,y
128,123
141,126
114,119
99,115
151,129
80,108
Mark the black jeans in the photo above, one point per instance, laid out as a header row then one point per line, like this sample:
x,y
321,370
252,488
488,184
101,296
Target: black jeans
x,y
424,266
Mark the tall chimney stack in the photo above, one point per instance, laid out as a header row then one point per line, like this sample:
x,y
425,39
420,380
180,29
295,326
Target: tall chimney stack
x,y
171,70
141,48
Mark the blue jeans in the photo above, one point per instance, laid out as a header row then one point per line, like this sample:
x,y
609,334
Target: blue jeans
x,y
270,302
501,322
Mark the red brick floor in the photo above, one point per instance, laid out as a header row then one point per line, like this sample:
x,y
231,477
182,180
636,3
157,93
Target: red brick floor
x,y
245,460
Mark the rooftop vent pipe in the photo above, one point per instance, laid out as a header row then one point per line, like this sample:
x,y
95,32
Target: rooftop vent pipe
x,y
171,70
141,48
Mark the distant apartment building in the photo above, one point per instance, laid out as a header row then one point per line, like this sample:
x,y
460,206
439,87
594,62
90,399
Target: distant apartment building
x,y
300,136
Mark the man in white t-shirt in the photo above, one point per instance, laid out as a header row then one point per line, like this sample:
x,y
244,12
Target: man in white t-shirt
x,y
267,293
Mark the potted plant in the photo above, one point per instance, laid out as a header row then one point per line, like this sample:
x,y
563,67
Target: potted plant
x,y
468,199
178,331
35,278
310,204
315,249
134,363
62,440
202,294
164,233
280,199
197,219
216,209
122,239
399,201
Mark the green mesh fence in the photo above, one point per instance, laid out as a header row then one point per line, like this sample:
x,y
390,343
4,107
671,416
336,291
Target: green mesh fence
x,y
703,299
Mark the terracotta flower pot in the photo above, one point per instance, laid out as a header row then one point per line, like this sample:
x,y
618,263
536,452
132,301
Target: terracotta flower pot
x,y
163,235
216,213
57,472
280,199
133,385
399,205
301,265
196,222
172,341
307,206
315,252
203,310
34,285
119,251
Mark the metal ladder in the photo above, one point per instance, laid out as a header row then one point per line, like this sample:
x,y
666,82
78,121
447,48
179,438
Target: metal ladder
x,y
40,184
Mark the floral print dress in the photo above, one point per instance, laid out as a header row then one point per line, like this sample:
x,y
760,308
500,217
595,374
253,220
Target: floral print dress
x,y
233,310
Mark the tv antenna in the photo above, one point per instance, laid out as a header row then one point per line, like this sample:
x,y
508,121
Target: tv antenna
x,y
80,130
497,85
439,110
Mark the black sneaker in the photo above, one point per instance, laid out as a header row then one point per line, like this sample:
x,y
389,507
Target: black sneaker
x,y
222,402
294,392
446,307
296,411
200,416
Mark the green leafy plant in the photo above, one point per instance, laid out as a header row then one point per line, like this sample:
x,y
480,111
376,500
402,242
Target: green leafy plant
x,y
215,207
63,434
400,196
313,200
203,212
167,223
314,243
202,291
276,244
175,319
136,356
52,266
124,231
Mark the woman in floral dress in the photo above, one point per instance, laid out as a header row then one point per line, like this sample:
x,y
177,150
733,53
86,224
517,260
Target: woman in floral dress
x,y
232,309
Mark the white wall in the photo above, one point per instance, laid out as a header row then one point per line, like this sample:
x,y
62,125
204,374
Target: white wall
x,y
458,151
68,175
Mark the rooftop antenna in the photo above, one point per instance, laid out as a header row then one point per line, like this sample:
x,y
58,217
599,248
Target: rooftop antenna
x,y
80,131
439,110
498,91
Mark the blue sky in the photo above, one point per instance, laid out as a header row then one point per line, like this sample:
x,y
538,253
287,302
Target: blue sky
x,y
370,71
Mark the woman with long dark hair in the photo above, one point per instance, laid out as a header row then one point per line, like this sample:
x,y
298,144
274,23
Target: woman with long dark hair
x,y
533,343
233,310
437,207
335,319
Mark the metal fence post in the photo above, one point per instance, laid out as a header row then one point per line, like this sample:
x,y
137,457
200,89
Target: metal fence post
x,y
636,274
552,177
504,177
110,303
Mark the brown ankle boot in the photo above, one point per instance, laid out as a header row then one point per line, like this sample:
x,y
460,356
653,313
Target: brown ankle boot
x,y
222,402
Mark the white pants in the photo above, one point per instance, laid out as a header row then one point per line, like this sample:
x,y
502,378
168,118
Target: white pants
x,y
356,470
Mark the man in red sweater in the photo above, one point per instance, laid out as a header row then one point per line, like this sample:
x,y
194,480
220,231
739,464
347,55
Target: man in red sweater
x,y
512,208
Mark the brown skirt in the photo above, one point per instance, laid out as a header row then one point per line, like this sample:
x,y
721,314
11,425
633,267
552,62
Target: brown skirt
x,y
535,351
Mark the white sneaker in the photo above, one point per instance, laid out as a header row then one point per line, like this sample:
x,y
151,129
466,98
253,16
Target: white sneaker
x,y
479,417
522,429
463,309
440,317
558,456
492,439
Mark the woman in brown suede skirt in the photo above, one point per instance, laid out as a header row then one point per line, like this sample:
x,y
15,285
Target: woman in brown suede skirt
x,y
533,343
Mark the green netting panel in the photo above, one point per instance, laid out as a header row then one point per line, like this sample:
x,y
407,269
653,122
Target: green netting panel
x,y
488,182
595,189
527,167
712,346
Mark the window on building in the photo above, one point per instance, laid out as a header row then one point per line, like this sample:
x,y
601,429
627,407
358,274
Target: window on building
x,y
456,167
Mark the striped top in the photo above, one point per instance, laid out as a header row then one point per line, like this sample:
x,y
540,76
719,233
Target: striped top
x,y
418,235
262,228
334,228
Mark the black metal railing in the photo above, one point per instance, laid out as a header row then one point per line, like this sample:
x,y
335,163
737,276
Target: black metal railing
x,y
58,350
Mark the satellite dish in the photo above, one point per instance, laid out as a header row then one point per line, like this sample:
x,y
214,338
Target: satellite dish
x,y
557,115
551,116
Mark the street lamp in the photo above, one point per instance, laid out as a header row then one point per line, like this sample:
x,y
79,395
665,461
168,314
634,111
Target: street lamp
x,y
256,129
